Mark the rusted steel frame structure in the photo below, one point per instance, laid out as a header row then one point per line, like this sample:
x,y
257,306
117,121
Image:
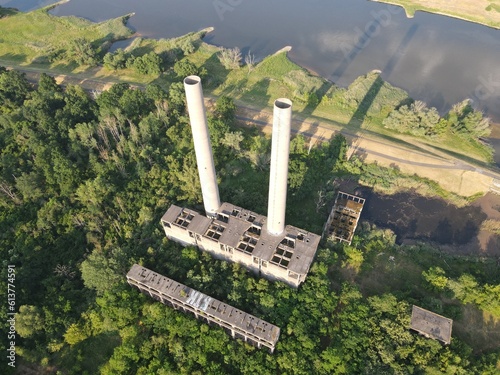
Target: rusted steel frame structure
x,y
344,217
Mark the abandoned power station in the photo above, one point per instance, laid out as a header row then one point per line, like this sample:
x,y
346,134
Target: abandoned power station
x,y
263,244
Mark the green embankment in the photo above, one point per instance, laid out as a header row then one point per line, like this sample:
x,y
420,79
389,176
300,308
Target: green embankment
x,y
37,37
485,12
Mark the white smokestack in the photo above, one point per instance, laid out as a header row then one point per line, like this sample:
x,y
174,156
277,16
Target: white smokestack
x,y
282,120
202,145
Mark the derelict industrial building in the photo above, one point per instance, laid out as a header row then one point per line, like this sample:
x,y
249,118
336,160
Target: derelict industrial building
x,y
262,244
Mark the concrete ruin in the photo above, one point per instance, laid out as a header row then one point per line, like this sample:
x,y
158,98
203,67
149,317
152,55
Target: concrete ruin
x,y
237,323
262,244
431,325
241,236
344,217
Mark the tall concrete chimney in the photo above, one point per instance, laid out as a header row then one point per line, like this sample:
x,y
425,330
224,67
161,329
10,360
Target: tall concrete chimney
x,y
202,145
282,120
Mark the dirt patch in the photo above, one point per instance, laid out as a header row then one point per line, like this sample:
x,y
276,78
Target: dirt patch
x,y
450,174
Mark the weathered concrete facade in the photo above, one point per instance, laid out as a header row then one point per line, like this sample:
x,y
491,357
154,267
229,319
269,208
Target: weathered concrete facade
x,y
241,236
264,245
179,296
431,325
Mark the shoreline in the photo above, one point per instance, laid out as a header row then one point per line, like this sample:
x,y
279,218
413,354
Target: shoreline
x,y
152,43
126,17
422,8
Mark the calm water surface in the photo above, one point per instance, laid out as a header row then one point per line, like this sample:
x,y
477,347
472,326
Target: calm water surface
x,y
437,59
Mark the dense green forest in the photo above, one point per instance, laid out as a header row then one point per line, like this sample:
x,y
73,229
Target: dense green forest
x,y
83,184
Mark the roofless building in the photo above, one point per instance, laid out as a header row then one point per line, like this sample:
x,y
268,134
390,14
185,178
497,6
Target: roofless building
x,y
237,323
262,244
344,217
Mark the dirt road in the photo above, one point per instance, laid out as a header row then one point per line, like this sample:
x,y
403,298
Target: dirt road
x,y
451,173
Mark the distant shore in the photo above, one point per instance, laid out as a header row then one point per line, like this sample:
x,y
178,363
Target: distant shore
x,y
484,12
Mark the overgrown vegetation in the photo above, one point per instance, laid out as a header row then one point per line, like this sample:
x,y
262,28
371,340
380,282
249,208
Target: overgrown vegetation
x,y
39,38
83,184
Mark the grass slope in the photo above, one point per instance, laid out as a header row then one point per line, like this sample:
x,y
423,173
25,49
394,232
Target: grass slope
x,y
28,38
34,36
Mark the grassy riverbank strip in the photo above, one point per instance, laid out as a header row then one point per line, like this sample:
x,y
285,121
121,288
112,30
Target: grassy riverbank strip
x,y
485,12
358,110
37,37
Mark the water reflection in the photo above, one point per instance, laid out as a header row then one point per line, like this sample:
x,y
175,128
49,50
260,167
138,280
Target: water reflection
x,y
447,60
413,217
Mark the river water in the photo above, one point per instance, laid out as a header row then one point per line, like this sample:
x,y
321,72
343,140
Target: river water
x,y
437,59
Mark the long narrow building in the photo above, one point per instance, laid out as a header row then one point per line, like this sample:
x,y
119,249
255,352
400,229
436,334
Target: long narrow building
x,y
237,323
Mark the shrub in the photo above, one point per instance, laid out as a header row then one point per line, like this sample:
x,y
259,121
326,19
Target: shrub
x,y
148,64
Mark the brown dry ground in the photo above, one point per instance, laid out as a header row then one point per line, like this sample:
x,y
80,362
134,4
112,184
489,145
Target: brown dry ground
x,y
470,10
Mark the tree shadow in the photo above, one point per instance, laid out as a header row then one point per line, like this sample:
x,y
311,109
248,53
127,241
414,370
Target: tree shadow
x,y
17,58
478,328
212,64
314,98
260,90
361,112
493,247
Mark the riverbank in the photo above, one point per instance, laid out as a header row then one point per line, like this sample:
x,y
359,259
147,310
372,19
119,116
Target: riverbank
x,y
485,12
37,37
321,108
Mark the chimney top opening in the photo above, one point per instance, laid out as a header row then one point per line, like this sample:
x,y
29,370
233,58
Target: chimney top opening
x,y
283,103
192,80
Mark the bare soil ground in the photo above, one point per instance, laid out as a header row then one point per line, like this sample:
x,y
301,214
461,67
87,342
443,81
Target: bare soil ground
x,y
450,173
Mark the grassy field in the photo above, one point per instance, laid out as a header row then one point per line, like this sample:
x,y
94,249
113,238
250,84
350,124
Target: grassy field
x,y
37,37
486,12
399,271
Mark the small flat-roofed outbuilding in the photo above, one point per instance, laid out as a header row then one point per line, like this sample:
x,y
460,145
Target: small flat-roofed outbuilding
x,y
431,324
